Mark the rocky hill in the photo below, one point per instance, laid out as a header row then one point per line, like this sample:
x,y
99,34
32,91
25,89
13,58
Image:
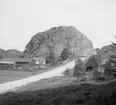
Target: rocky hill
x,y
11,53
57,39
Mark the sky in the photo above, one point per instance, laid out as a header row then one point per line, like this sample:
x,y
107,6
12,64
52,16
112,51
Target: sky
x,y
21,19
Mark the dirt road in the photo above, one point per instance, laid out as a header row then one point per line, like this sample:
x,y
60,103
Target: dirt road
x,y
9,86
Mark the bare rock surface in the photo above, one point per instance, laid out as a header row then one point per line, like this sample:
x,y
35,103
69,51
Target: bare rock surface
x,y
57,39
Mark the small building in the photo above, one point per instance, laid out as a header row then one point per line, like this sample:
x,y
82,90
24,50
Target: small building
x,y
82,58
38,61
7,64
14,63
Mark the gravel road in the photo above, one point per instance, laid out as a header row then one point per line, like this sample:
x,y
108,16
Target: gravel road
x,y
10,86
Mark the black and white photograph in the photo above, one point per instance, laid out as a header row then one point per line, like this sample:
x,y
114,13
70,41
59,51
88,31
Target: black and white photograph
x,y
57,52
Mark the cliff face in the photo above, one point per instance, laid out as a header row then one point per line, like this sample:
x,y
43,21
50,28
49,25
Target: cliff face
x,y
56,39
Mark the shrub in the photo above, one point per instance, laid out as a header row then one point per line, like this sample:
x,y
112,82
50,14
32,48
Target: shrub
x,y
65,54
97,75
79,69
97,50
50,58
110,68
68,72
93,62
56,61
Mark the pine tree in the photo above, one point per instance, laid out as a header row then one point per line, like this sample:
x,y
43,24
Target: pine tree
x,y
65,54
110,66
79,69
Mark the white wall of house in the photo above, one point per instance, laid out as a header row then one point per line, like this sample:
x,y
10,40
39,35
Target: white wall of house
x,y
37,62
83,58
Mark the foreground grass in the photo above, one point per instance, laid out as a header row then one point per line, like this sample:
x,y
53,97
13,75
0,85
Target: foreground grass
x,y
83,94
11,75
53,82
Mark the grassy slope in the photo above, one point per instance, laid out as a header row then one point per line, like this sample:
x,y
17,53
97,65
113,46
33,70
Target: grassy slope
x,y
8,75
47,83
83,94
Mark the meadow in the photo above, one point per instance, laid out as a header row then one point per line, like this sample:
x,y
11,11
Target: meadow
x,y
74,94
10,75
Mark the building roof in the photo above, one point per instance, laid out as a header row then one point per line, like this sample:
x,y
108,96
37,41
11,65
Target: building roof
x,y
8,62
38,58
15,60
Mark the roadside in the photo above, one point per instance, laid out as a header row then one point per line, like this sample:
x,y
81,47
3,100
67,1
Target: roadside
x,y
59,81
9,86
7,76
47,83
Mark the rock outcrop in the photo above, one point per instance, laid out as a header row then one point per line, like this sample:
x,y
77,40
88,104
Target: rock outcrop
x,y
56,40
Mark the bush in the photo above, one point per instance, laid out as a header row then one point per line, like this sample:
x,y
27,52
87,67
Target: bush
x,y
79,69
98,75
110,69
68,72
56,61
110,66
50,58
65,54
93,62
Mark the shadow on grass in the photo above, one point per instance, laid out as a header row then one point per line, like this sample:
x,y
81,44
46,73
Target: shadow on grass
x,y
84,94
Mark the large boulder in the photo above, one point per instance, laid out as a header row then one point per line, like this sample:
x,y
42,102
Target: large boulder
x,y
57,39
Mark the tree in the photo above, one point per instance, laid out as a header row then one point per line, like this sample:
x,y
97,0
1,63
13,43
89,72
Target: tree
x,y
97,50
110,67
93,62
56,61
98,75
79,69
50,57
69,72
65,54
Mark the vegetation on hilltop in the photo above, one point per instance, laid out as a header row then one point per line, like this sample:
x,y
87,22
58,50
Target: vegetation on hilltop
x,y
100,66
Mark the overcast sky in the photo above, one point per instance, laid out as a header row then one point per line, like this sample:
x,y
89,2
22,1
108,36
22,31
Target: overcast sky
x,y
21,19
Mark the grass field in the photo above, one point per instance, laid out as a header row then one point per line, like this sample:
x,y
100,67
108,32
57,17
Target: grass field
x,y
47,83
78,94
10,75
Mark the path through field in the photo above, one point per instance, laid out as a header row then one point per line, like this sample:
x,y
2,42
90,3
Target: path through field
x,y
9,86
